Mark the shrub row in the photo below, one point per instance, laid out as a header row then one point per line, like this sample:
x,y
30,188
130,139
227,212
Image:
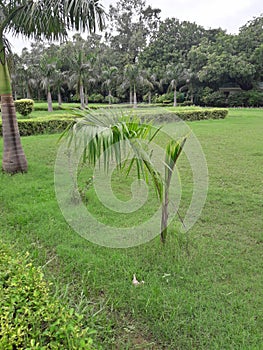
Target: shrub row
x,y
31,318
251,98
188,115
39,126
65,106
28,127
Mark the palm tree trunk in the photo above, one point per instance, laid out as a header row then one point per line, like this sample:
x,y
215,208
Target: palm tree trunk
x,y
59,98
150,98
28,94
86,97
130,95
109,97
134,98
81,95
14,159
175,100
49,101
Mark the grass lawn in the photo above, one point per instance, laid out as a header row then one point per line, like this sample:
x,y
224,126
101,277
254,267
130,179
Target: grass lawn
x,y
203,290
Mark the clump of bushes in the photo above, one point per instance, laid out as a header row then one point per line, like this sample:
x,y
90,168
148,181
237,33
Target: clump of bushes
x,y
167,98
31,318
28,127
187,115
96,98
24,107
251,98
38,126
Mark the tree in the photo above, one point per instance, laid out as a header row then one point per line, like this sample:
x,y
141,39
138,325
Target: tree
x,y
134,76
109,77
102,137
132,25
78,61
171,43
174,74
48,19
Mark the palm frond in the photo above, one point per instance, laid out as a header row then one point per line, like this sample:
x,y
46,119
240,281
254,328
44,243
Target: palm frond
x,y
105,134
51,19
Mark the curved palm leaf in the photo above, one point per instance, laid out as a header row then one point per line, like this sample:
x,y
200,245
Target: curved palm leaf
x,y
102,134
51,18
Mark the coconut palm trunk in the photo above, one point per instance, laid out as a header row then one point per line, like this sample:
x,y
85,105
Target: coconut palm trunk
x,y
59,98
130,95
49,101
150,97
134,97
14,159
175,99
86,97
81,95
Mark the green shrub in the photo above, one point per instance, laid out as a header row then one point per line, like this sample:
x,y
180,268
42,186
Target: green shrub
x,y
24,107
187,115
113,99
96,98
213,99
186,103
168,98
31,318
28,127
37,126
251,98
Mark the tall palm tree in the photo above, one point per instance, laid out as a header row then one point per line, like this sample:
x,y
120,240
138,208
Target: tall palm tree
x,y
109,77
174,73
80,64
134,76
48,19
47,68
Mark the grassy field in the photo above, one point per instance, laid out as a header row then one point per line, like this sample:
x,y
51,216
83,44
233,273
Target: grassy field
x,y
203,290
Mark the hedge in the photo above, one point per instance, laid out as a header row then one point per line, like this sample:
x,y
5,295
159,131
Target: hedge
x,y
31,318
36,126
187,115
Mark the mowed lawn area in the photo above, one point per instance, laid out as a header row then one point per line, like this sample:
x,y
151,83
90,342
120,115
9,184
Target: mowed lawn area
x,y
203,290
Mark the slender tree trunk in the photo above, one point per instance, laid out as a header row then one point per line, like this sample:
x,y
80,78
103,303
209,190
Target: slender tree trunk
x,y
134,97
59,98
28,94
192,98
81,95
49,101
86,97
14,159
150,97
175,100
38,94
130,95
109,97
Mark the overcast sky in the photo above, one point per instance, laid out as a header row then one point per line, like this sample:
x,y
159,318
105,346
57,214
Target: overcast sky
x,y
227,14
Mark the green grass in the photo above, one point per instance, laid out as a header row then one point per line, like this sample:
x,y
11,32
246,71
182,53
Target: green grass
x,y
202,291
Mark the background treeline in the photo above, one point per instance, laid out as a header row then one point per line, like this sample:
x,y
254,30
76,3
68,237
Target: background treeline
x,y
141,58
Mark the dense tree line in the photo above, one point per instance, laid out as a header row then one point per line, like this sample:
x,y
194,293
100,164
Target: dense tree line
x,y
139,57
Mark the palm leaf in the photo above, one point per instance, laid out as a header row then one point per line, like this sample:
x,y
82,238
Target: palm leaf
x,y
101,134
51,19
